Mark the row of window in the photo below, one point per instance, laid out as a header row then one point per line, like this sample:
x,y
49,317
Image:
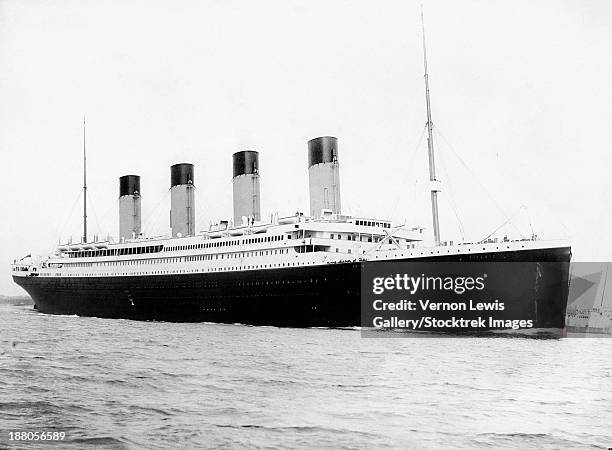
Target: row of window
x,y
352,237
116,251
370,223
159,248
216,244
172,260
163,272
236,255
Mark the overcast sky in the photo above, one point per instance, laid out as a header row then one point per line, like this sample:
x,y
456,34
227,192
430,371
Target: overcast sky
x,y
521,97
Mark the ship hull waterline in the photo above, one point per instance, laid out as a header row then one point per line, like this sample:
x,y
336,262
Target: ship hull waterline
x,y
307,296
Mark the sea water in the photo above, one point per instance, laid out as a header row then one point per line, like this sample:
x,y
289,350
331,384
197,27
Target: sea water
x,y
130,384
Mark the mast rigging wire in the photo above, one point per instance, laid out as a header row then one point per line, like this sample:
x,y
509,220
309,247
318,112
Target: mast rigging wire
x,y
95,215
147,221
507,221
61,230
451,197
475,177
405,178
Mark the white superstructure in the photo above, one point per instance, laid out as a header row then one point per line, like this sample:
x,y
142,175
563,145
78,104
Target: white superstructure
x,y
286,242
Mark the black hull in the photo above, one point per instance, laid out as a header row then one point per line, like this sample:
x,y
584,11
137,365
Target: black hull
x,y
307,296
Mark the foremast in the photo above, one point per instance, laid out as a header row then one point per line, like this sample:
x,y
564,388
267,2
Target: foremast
x,y
430,148
84,187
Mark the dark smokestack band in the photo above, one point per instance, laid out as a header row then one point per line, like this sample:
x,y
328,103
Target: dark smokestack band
x,y
129,185
246,162
181,174
322,149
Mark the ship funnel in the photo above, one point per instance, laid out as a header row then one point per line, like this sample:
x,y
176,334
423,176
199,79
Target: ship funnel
x,y
182,200
246,186
129,207
323,175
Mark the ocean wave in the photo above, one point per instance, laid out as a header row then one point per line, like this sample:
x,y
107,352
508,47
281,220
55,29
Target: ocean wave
x,y
311,429
98,441
128,384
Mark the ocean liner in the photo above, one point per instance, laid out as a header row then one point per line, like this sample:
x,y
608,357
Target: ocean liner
x,y
297,270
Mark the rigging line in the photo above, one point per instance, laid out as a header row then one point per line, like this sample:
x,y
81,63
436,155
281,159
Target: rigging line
x,y
470,170
405,178
95,215
147,220
475,177
61,230
104,215
529,220
549,213
451,197
507,221
603,291
455,210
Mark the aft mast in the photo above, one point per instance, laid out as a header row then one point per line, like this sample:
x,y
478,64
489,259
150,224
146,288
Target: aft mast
x,y
430,147
84,186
